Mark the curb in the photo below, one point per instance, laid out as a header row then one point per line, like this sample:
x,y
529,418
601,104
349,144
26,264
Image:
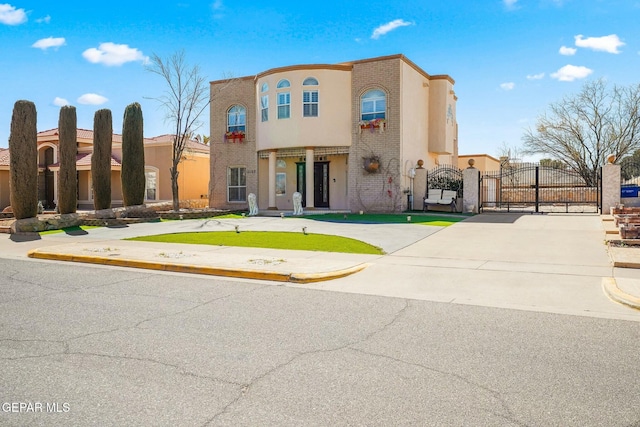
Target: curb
x,y
193,269
612,290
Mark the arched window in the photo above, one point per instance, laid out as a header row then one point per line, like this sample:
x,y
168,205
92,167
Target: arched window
x,y
236,119
310,81
265,87
283,83
373,105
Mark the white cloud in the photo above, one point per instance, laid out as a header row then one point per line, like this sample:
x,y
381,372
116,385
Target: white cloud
x,y
507,86
112,54
45,44
92,99
510,4
46,20
60,102
568,51
609,43
538,76
569,73
384,29
11,16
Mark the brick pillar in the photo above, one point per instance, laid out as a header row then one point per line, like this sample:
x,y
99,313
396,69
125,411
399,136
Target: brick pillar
x,y
610,187
470,196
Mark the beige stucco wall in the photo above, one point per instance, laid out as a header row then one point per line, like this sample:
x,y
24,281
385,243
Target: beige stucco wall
x,y
442,117
415,127
84,179
159,157
332,127
483,162
116,188
5,198
193,178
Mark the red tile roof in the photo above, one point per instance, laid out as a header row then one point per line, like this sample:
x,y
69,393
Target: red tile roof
x,y
85,160
191,144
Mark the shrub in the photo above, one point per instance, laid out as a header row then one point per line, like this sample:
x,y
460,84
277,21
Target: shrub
x,y
132,176
67,178
23,167
101,159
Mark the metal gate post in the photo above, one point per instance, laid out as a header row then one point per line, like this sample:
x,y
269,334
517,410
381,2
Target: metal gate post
x,y
537,189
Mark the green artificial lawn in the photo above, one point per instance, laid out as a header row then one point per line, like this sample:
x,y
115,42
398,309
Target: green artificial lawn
x,y
269,239
226,216
436,220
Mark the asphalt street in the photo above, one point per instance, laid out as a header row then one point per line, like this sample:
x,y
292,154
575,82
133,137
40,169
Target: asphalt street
x,y
127,347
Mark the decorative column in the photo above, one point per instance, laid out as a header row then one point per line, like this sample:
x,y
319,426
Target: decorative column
x,y
470,188
310,186
272,180
419,186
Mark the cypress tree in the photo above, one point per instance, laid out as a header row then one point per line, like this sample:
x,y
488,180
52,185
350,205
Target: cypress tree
x,y
101,159
67,178
23,166
132,176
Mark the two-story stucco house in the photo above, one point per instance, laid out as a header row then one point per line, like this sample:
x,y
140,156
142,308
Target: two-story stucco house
x,y
347,136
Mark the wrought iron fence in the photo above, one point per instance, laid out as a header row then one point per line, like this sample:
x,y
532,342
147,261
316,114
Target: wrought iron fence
x,y
531,187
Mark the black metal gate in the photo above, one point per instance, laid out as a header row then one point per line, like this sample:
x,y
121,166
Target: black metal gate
x,y
530,187
446,177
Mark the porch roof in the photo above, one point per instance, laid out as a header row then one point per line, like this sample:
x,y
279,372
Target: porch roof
x,y
83,162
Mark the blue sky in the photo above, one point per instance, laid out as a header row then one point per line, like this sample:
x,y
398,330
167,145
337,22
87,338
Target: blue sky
x,y
509,58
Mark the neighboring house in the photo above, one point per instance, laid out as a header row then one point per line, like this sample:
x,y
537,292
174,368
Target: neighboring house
x,y
482,162
347,136
193,179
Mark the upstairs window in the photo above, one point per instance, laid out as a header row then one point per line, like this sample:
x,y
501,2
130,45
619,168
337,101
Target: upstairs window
x,y
310,81
236,119
264,107
373,105
284,105
283,83
265,87
310,103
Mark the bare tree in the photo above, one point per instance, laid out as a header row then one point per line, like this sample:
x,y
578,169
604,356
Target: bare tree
x,y
583,129
185,99
509,155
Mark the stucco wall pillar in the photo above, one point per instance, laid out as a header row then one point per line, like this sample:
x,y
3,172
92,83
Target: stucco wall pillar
x,y
470,192
419,188
309,177
610,187
272,180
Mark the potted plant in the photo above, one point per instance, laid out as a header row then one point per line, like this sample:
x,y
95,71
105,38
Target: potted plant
x,y
236,135
373,125
371,164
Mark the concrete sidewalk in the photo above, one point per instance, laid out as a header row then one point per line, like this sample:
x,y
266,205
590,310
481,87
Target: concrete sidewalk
x,y
556,262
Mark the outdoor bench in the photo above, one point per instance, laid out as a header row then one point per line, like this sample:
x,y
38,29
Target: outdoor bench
x,y
439,197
